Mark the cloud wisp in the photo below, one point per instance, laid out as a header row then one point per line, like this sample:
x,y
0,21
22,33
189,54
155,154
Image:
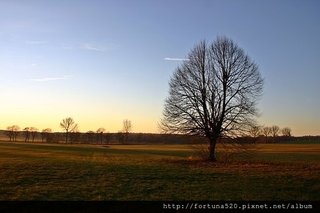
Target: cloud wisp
x,y
45,79
90,47
175,59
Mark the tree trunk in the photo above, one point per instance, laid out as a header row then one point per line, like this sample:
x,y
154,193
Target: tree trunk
x,y
67,137
212,149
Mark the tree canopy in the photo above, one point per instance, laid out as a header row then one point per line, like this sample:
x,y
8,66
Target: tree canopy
x,y
213,93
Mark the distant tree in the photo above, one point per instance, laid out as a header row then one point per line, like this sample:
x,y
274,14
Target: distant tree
x,y
255,131
213,93
275,131
286,132
90,136
126,129
9,133
26,134
12,132
45,134
266,131
16,129
33,131
100,132
127,126
68,125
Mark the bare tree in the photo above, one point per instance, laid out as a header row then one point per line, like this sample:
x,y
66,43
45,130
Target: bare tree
x,y
9,133
68,125
286,132
16,129
275,131
266,132
127,126
90,136
45,134
213,93
26,134
255,131
126,129
100,132
33,131
12,132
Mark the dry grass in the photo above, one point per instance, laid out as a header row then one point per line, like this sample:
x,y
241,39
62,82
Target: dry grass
x,y
161,172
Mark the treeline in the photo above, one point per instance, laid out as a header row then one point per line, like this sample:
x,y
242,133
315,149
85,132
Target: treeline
x,y
136,138
98,138
270,134
71,135
279,139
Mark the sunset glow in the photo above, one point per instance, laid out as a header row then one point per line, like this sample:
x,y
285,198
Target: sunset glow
x,y
101,62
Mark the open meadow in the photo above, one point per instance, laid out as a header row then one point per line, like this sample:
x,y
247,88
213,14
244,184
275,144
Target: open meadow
x,y
156,172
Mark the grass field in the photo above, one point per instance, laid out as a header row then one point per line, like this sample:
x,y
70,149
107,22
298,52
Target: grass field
x,y
155,172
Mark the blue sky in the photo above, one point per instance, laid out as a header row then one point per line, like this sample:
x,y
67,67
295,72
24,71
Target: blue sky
x,y
104,61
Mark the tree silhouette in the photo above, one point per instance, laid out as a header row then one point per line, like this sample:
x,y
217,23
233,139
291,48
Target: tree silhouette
x,y
33,131
127,126
100,132
275,131
90,136
12,132
45,134
68,125
9,133
26,134
126,129
255,131
286,132
213,93
266,131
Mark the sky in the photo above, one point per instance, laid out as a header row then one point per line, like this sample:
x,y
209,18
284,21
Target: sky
x,y
101,62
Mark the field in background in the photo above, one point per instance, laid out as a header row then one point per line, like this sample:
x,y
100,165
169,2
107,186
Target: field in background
x,y
156,172
145,138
